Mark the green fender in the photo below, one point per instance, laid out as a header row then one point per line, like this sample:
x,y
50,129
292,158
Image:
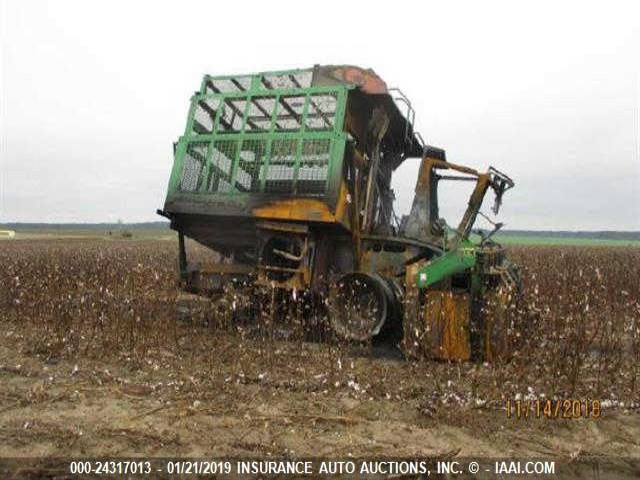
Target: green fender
x,y
462,258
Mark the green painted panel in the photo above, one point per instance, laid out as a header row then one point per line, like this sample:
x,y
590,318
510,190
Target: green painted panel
x,y
455,261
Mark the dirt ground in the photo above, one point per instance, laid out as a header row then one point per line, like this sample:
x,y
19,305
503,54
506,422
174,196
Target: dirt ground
x,y
89,407
185,389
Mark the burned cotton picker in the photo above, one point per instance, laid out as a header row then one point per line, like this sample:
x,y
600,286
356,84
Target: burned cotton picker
x,y
287,175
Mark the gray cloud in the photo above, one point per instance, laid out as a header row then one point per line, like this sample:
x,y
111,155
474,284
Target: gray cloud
x,y
94,93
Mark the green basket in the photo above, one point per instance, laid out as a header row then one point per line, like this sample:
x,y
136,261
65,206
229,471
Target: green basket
x,y
271,133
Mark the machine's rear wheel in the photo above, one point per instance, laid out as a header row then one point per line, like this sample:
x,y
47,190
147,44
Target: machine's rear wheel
x,y
358,306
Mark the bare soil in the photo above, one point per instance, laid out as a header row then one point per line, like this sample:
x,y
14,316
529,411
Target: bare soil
x,y
158,386
88,407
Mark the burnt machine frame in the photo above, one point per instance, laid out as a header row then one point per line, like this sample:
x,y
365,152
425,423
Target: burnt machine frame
x,y
287,175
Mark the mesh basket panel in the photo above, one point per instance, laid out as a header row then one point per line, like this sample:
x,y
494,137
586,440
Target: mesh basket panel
x,y
232,115
227,85
250,165
290,110
204,116
260,112
287,80
322,111
192,164
280,172
222,158
314,166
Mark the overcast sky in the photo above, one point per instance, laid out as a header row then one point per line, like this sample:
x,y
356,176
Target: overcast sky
x,y
93,93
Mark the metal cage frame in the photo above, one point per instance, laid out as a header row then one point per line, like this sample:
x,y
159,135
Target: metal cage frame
x,y
234,147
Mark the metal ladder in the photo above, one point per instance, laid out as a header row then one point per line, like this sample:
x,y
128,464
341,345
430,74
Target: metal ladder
x,y
401,99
